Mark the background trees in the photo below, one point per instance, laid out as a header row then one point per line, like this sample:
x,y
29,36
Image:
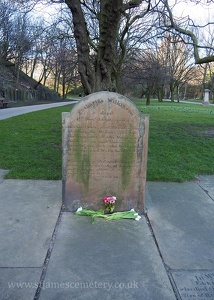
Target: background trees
x,y
101,39
161,70
115,20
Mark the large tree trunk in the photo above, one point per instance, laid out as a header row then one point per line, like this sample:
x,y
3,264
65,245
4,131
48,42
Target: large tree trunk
x,y
106,69
160,93
81,36
172,89
104,72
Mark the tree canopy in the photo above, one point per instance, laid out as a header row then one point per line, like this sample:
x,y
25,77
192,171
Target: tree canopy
x,y
106,31
102,30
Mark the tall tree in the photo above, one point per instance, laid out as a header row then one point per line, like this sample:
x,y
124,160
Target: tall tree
x,y
102,73
7,15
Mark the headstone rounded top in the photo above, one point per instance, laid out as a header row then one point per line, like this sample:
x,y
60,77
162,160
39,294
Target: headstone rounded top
x,y
103,98
105,149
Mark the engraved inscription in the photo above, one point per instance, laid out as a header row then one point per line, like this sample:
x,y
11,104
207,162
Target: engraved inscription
x,y
102,143
95,103
195,285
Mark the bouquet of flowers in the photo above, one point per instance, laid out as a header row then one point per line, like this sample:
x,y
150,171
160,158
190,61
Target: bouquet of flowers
x,y
131,214
109,203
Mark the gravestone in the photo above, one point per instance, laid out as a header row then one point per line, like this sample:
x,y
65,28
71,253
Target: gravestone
x,y
105,142
206,97
194,284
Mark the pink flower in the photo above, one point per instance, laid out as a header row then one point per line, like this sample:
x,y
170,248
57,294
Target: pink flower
x,y
109,199
109,203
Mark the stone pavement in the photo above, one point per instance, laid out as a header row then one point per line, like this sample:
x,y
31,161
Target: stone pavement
x,y
48,254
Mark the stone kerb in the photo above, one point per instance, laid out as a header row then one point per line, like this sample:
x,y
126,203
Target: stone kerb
x,y
105,144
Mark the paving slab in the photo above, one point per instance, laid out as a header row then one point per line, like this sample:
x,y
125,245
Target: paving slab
x,y
107,260
181,215
19,283
207,183
28,212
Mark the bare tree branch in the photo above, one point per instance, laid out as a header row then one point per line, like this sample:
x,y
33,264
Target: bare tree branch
x,y
132,4
189,33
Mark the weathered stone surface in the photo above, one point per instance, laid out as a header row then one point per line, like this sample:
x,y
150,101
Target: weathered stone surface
x,y
105,140
19,283
181,216
195,284
111,260
28,212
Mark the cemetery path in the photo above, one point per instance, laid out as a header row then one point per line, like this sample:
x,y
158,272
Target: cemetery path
x,y
49,254
15,111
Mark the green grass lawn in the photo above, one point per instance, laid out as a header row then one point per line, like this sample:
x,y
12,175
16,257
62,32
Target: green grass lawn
x,y
31,144
181,142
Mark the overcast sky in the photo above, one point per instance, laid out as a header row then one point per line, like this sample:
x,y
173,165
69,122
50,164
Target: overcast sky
x,y
199,13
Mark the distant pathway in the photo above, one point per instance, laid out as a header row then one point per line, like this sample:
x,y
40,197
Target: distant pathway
x,y
186,101
15,111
